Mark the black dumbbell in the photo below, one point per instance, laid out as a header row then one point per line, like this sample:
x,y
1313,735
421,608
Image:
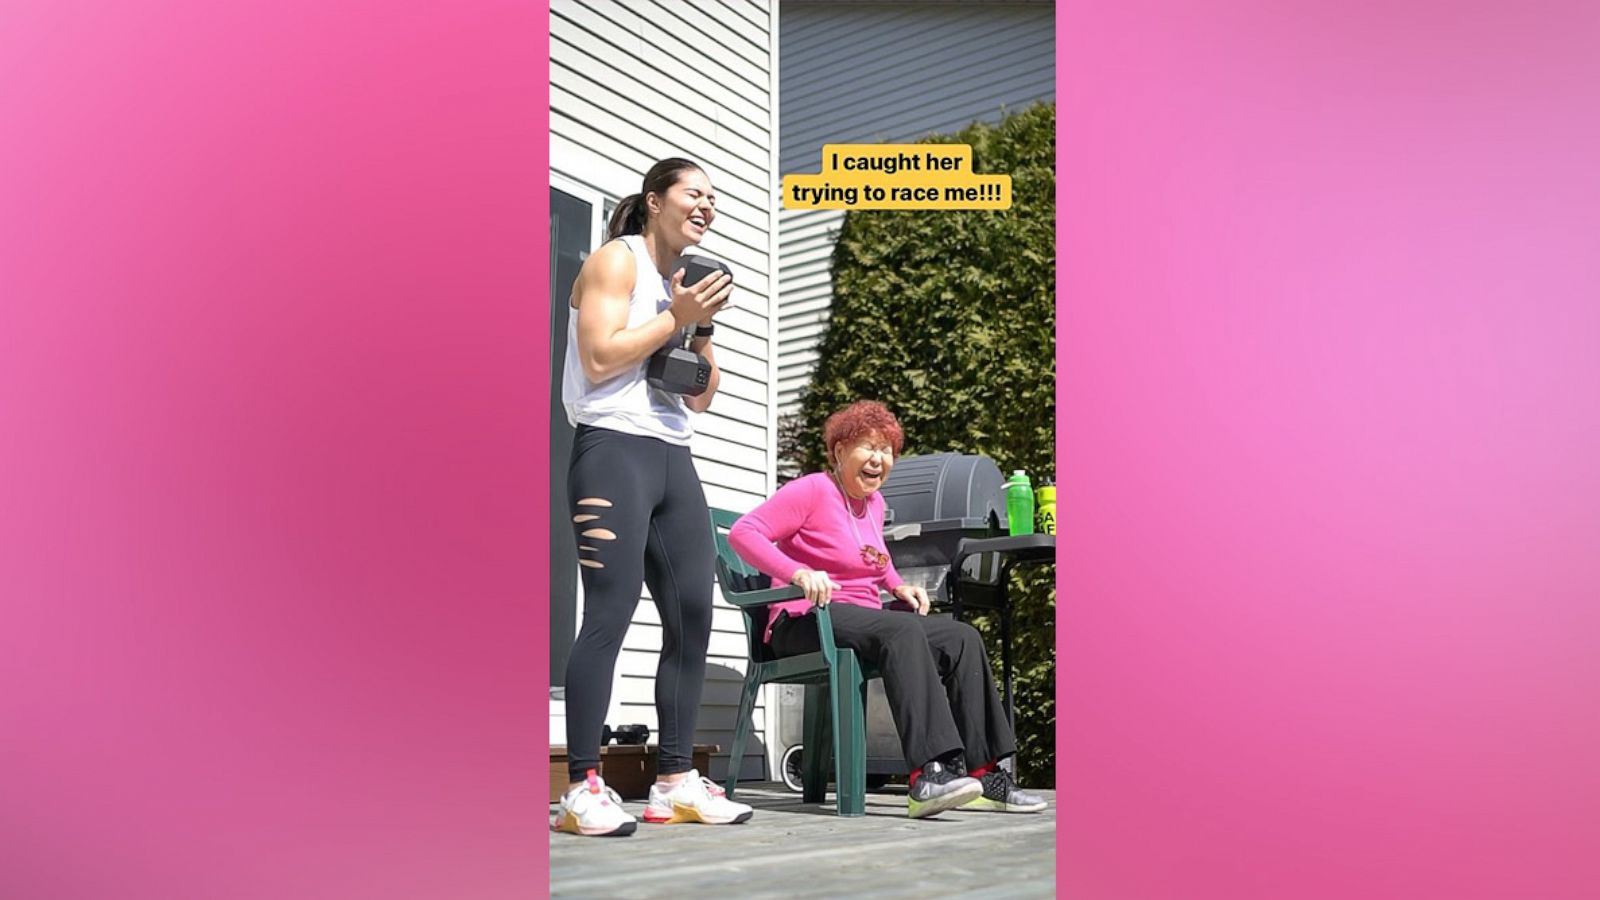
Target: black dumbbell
x,y
679,370
624,734
696,267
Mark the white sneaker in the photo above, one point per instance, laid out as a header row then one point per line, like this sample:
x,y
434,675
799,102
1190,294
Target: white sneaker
x,y
594,810
694,799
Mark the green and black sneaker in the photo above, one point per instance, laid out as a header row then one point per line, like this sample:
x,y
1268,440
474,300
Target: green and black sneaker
x,y
1001,794
939,788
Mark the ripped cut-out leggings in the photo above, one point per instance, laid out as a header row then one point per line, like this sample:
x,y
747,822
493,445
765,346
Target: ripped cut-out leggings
x,y
639,516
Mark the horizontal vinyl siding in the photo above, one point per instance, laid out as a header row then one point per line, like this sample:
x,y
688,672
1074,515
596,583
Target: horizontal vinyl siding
x,y
885,73
806,241
626,89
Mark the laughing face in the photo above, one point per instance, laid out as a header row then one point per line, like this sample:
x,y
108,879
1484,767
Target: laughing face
x,y
863,465
685,211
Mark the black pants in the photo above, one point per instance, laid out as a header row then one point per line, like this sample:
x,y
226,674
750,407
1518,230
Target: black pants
x,y
935,674
639,516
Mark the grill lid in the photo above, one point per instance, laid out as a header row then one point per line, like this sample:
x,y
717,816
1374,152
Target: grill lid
x,y
936,500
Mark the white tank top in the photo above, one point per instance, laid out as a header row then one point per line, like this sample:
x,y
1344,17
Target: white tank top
x,y
626,402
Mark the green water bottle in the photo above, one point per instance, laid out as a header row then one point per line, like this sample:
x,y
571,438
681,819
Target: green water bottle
x,y
1019,503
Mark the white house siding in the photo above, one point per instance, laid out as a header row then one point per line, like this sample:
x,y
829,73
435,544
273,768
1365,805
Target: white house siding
x,y
632,81
857,72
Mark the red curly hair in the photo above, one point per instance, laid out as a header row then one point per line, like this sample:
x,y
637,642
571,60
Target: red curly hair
x,y
860,419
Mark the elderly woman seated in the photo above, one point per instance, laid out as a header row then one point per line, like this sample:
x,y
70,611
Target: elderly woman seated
x,y
824,534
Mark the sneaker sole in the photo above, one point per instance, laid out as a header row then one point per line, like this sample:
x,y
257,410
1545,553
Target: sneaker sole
x,y
984,803
570,825
690,814
925,808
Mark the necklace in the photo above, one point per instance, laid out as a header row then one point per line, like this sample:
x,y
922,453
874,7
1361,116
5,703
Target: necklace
x,y
870,555
846,495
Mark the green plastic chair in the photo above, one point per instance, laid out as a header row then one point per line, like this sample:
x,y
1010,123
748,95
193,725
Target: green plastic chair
x,y
836,684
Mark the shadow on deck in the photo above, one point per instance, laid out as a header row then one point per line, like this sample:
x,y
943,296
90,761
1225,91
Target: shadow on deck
x,y
793,850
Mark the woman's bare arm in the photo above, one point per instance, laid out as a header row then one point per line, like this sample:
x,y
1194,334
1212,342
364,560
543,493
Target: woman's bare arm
x,y
606,345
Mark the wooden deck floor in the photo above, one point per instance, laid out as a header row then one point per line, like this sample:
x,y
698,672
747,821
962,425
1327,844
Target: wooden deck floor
x,y
792,850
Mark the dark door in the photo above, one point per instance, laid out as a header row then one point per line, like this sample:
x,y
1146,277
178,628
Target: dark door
x,y
571,230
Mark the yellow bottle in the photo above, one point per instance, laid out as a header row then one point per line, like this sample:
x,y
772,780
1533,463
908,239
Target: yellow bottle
x,y
1045,501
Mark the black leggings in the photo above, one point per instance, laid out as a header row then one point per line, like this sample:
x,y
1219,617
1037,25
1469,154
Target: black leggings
x,y
639,515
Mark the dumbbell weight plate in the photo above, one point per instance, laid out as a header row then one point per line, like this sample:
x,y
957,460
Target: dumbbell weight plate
x,y
696,267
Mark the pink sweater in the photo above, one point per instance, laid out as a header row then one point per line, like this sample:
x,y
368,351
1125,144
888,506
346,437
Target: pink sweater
x,y
805,526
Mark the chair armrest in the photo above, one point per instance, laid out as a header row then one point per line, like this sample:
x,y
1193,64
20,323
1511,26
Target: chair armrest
x,y
764,597
825,634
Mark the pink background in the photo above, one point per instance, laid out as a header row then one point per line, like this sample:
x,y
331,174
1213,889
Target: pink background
x,y
272,462
1329,431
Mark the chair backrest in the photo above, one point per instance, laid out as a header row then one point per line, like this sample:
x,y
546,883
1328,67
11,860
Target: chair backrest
x,y
736,576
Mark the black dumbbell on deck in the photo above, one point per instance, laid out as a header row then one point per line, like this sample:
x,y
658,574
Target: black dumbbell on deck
x,y
624,734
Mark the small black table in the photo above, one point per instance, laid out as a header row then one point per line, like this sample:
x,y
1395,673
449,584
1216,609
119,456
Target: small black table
x,y
1011,552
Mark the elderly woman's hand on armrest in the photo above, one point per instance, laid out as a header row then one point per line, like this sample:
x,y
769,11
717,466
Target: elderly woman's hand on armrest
x,y
818,586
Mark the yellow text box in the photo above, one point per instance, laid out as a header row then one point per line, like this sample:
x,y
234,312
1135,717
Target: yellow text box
x,y
896,176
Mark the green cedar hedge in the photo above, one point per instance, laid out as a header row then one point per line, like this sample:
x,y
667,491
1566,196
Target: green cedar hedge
x,y
948,317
